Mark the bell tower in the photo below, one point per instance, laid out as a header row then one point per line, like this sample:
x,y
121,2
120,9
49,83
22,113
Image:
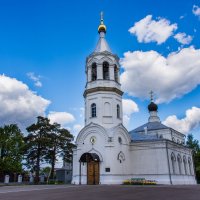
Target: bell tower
x,y
103,95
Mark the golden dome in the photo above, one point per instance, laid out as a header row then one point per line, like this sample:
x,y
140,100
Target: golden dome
x,y
102,28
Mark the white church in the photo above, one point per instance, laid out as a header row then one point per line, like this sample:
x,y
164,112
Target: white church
x,y
106,152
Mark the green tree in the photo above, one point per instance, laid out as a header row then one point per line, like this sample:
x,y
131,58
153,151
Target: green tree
x,y
46,170
11,149
60,141
194,145
37,144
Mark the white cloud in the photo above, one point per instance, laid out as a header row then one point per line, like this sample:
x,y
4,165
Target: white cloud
x,y
35,78
77,128
182,17
68,128
62,118
196,10
18,103
148,30
187,124
169,77
82,112
183,38
129,107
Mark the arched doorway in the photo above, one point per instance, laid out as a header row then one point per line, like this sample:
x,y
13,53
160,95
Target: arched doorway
x,y
92,160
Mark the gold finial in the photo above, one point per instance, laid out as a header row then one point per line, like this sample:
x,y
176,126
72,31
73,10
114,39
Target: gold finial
x,y
102,27
151,95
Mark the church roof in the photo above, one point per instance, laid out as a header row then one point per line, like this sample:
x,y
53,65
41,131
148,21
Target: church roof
x,y
141,136
102,45
150,126
137,135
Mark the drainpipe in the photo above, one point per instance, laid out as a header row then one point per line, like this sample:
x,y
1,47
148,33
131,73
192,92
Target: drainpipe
x,y
170,178
79,172
193,166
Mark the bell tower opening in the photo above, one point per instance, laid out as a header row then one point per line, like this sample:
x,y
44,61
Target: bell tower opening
x,y
94,72
116,71
106,75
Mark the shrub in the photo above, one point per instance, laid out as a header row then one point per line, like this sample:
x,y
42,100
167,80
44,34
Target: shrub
x,y
139,181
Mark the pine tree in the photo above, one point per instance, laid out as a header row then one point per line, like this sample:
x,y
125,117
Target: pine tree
x,y
60,141
37,144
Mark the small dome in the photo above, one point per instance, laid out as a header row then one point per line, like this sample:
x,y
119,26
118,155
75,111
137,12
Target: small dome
x,y
152,107
102,28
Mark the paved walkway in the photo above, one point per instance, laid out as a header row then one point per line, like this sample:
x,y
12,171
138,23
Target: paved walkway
x,y
100,192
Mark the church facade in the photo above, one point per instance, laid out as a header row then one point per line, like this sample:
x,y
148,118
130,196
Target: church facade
x,y
106,153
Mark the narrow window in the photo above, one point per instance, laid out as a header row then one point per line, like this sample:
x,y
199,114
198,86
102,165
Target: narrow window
x,y
106,71
179,163
94,72
173,159
185,163
93,110
118,111
120,140
116,73
190,166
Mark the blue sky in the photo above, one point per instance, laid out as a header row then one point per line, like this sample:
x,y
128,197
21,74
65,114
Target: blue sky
x,y
44,45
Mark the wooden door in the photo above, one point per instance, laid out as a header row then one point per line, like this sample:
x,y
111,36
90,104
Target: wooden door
x,y
93,173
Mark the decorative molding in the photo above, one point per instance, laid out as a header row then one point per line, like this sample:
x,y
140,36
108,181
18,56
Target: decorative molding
x,y
103,89
105,53
121,157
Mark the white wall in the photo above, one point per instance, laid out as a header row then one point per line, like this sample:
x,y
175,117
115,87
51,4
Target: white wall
x,y
149,160
108,151
152,160
102,118
184,176
144,159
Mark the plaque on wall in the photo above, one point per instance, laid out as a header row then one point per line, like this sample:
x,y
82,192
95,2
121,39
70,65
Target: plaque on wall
x,y
107,169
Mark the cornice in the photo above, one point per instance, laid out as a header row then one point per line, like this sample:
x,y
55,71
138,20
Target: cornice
x,y
102,89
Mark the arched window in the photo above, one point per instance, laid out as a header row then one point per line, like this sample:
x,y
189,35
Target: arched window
x,y
120,140
173,160
106,75
116,73
185,164
94,72
190,166
118,111
93,110
179,163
